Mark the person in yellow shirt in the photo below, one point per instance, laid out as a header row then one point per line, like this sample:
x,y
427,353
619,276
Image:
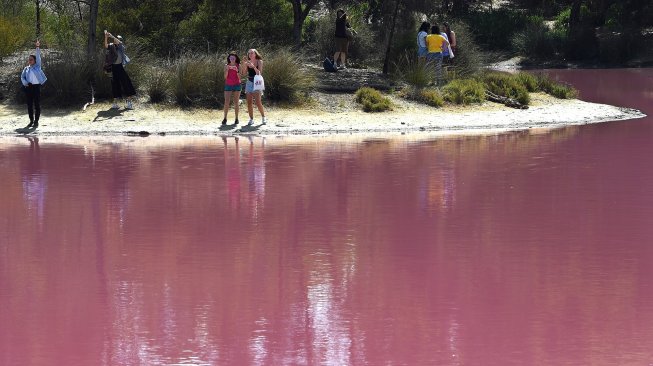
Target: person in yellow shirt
x,y
435,44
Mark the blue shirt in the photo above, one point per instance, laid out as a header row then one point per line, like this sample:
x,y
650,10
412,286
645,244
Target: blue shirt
x,y
36,69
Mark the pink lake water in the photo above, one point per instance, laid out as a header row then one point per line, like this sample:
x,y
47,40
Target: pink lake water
x,y
522,248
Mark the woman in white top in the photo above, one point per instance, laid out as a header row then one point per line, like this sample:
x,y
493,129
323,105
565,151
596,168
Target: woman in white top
x,y
32,78
422,51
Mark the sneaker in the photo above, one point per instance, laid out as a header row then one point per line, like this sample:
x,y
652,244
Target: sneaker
x,y
115,106
264,120
236,122
251,122
224,122
129,105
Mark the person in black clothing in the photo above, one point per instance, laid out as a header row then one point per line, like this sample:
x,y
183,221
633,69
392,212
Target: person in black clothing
x,y
343,34
121,84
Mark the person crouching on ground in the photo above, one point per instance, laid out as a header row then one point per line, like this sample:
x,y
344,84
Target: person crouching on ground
x,y
435,44
32,78
231,85
252,67
121,84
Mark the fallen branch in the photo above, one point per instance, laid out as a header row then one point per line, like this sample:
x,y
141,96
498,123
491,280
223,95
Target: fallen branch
x,y
508,102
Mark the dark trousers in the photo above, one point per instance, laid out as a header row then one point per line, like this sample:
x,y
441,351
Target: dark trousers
x,y
120,82
33,96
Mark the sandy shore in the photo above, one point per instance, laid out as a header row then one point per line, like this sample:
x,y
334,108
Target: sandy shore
x,y
329,114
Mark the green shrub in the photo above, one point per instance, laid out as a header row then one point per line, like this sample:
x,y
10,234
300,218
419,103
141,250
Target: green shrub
x,y
468,58
68,82
286,79
432,97
13,34
494,29
506,85
428,96
414,72
539,42
464,91
198,79
157,84
372,100
556,89
528,80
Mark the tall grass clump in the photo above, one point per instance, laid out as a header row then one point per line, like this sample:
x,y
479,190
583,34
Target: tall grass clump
x,y
528,80
556,89
431,97
415,72
157,84
506,85
286,79
198,79
372,100
468,58
464,91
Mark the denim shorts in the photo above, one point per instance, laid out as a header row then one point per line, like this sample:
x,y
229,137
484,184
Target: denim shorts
x,y
249,88
422,51
232,88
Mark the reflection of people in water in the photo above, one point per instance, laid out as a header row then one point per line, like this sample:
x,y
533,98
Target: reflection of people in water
x,y
120,174
437,190
256,176
248,174
232,170
34,181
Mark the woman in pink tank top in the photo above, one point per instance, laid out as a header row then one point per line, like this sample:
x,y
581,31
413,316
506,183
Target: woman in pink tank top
x,y
231,85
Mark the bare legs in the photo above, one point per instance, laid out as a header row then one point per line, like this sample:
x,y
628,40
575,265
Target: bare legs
x,y
338,55
252,98
230,96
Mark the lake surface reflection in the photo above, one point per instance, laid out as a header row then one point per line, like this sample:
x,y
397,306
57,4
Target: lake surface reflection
x,y
524,248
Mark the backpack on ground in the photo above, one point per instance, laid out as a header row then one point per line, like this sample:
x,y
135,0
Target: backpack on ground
x,y
329,66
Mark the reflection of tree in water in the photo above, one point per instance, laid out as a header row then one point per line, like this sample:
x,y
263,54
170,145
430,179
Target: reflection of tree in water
x,y
34,181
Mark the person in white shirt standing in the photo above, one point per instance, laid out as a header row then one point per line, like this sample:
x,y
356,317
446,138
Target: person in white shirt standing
x,y
32,78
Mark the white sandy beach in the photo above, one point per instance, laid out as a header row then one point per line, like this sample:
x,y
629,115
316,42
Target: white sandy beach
x,y
331,114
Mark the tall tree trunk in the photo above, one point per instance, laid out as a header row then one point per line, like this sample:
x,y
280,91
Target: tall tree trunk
x,y
297,25
300,10
92,29
386,62
38,18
